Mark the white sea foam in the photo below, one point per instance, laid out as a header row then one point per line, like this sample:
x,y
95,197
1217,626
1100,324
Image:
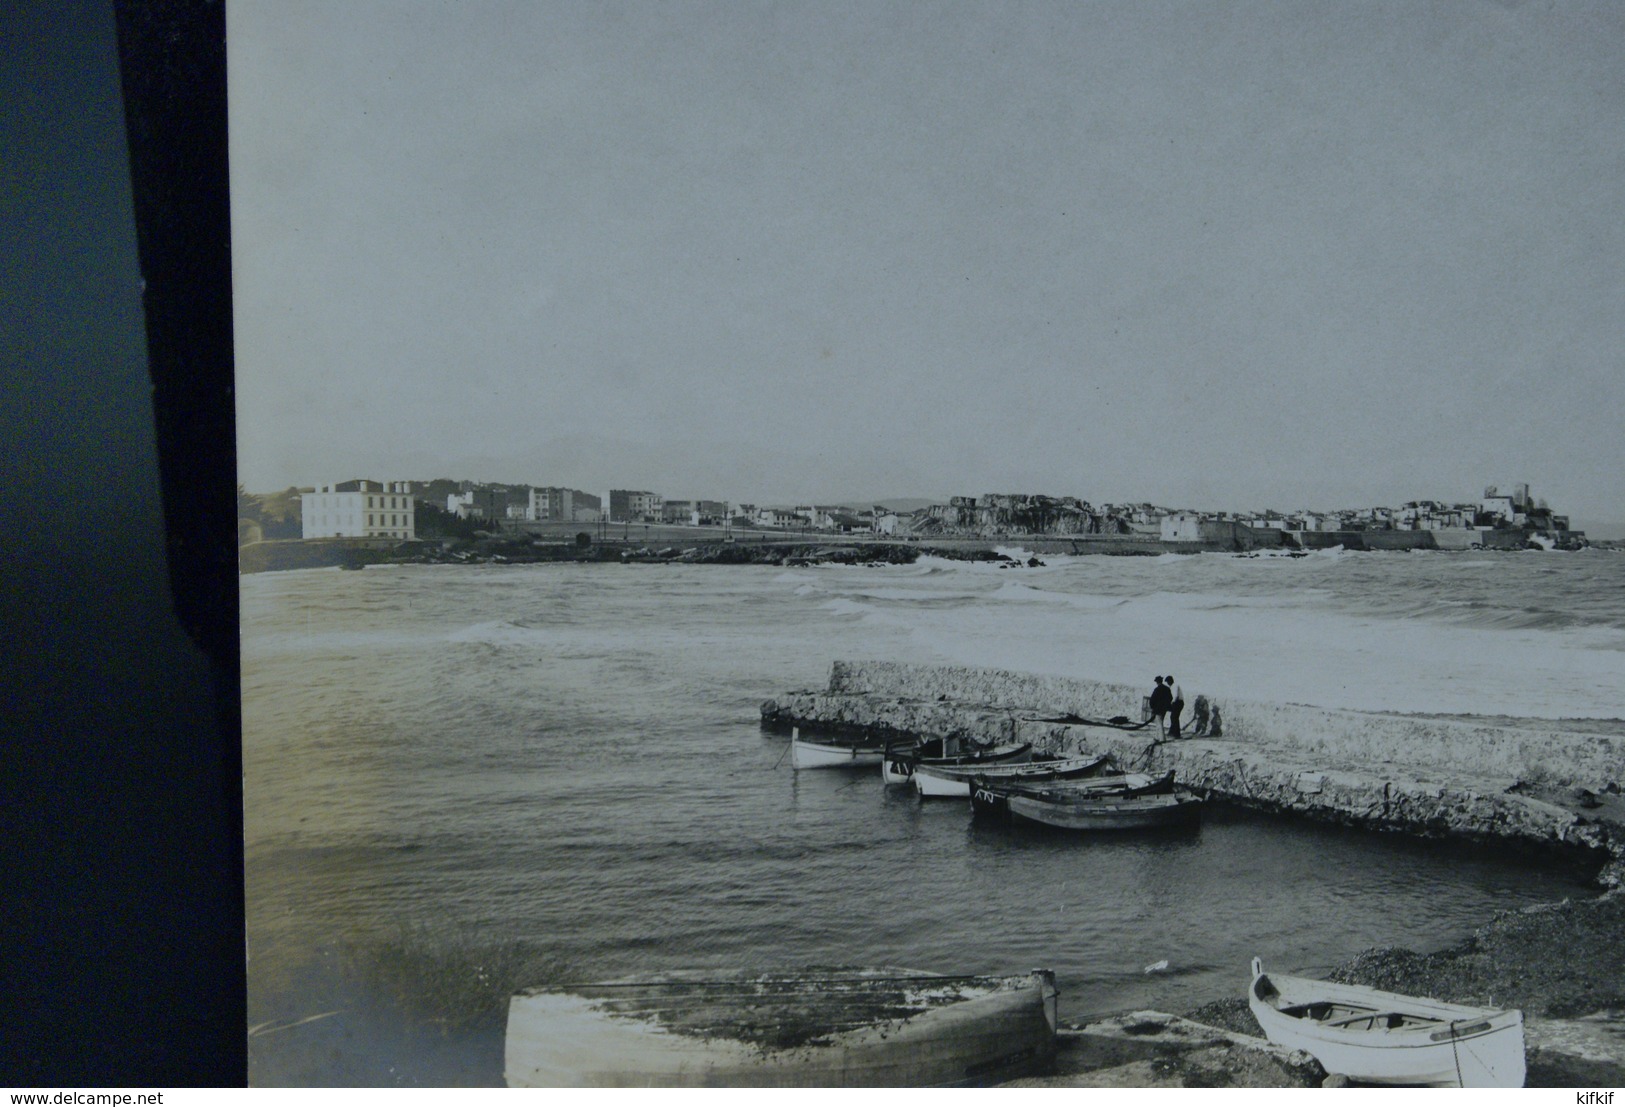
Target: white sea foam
x,y
1290,644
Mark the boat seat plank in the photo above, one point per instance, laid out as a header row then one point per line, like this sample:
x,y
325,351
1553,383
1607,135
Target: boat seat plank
x,y
1413,1018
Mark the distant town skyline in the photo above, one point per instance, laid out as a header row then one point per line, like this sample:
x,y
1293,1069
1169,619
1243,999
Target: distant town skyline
x,y
915,503
1251,256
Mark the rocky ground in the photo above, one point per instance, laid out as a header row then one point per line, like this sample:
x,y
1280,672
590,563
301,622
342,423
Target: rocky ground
x,y
1562,964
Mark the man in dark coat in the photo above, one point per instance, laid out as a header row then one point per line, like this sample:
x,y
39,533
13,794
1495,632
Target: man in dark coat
x,y
1161,697
1176,707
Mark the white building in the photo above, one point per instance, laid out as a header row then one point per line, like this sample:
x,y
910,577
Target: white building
x,y
778,517
1182,526
1503,508
358,509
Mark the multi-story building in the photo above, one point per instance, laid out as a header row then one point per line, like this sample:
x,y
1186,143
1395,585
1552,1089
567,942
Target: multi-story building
x,y
708,513
562,505
358,509
483,503
626,506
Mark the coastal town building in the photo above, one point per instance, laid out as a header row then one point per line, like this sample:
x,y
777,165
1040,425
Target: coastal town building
x,y
694,512
778,517
1182,526
708,513
488,503
371,509
844,523
1513,518
561,505
358,509
627,506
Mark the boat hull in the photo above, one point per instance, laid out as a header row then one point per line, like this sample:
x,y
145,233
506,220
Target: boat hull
x,y
806,754
1101,810
898,767
1390,1039
676,1033
953,782
896,770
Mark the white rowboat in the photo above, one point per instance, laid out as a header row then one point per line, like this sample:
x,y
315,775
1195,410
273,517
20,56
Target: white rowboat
x,y
833,754
1375,1037
953,781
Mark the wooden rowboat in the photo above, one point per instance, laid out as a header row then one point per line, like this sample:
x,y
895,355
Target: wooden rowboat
x,y
1108,783
833,753
814,1028
954,781
1112,804
1377,1037
898,765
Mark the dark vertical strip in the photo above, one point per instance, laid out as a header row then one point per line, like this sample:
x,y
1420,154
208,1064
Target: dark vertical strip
x,y
173,68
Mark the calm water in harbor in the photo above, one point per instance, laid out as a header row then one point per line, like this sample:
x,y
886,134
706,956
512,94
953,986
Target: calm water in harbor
x,y
465,780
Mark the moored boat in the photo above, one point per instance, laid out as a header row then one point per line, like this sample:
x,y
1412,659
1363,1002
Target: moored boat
x,y
832,752
1109,782
811,1028
1114,803
1375,1037
898,766
953,781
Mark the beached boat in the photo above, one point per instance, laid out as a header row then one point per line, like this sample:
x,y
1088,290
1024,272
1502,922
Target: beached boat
x,y
952,781
814,1028
1115,803
837,753
897,767
1377,1037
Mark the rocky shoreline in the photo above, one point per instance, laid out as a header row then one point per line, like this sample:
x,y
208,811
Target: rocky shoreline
x,y
746,549
273,556
1536,785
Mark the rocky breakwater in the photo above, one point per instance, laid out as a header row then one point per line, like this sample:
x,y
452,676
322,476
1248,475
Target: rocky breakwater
x,y
1542,785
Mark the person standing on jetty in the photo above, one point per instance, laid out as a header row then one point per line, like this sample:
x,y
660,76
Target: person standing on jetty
x,y
1176,707
1201,717
1161,697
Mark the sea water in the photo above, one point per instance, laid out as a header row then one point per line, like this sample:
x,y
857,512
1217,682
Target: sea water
x,y
464,780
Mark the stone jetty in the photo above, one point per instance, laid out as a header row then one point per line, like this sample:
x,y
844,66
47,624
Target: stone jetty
x,y
1545,785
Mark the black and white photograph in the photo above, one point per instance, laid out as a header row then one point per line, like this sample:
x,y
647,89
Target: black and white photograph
x,y
923,544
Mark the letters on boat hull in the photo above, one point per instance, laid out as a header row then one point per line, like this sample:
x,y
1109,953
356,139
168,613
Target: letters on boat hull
x,y
899,764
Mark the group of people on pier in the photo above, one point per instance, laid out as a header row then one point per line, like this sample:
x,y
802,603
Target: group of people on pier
x,y
1167,703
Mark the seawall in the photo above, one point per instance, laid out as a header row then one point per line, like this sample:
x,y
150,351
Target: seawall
x,y
1528,783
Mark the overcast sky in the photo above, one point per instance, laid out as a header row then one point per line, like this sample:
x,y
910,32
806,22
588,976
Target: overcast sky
x,y
1234,255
